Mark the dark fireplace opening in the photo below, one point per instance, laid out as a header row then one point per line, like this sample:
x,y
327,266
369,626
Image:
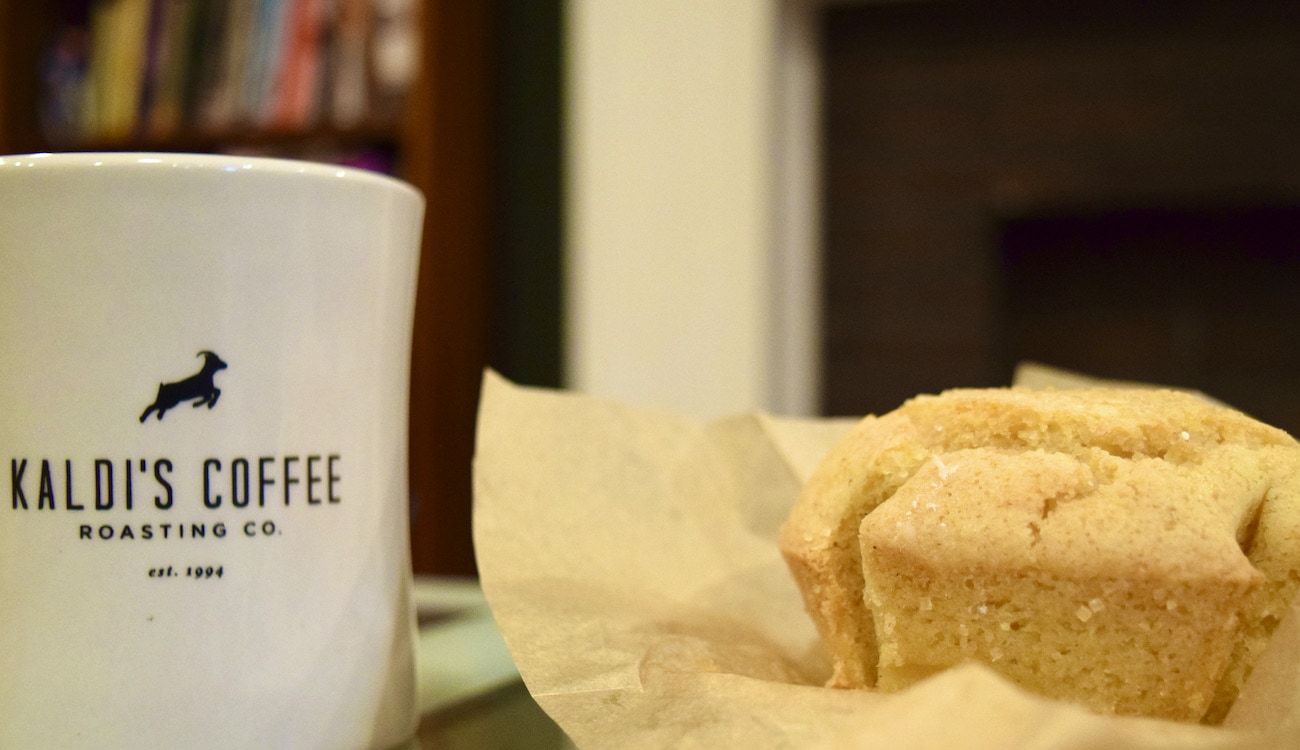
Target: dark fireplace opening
x,y
1109,186
1204,298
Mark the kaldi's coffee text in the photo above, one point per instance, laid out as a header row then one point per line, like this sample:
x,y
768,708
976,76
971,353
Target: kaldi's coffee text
x,y
40,488
110,489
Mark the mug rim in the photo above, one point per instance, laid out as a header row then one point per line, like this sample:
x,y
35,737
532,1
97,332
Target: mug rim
x,y
47,160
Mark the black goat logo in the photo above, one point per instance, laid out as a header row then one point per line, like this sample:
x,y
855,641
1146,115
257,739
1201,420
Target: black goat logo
x,y
197,387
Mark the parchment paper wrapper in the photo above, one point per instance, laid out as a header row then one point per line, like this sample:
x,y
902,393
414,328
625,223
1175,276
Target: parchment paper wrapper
x,y
630,559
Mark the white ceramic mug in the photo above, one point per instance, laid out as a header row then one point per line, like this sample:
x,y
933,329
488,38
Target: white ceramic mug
x,y
203,402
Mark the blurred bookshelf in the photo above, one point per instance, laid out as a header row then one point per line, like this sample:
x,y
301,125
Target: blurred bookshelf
x,y
318,79
419,89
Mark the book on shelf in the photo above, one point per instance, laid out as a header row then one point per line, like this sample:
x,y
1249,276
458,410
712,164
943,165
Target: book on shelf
x,y
295,100
114,72
153,70
162,100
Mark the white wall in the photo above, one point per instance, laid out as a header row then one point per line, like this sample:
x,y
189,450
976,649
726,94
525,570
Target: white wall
x,y
682,289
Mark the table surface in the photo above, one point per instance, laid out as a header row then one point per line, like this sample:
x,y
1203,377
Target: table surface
x,y
469,691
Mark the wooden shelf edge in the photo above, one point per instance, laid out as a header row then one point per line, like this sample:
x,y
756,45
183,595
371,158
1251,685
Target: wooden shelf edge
x,y
386,135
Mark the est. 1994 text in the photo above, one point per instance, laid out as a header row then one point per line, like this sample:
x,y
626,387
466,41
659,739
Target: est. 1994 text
x,y
189,571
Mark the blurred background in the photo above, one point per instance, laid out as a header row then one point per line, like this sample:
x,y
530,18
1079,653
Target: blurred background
x,y
710,206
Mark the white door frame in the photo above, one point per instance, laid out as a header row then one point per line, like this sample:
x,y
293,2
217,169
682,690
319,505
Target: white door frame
x,y
692,247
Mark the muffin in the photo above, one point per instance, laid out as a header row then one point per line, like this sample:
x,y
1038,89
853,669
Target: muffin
x,y
1130,550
